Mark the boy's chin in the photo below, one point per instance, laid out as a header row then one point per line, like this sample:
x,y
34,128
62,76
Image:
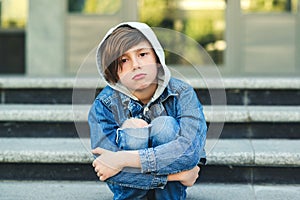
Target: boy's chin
x,y
139,89
141,86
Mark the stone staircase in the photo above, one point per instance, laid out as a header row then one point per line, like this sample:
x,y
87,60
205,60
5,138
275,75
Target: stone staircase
x,y
45,151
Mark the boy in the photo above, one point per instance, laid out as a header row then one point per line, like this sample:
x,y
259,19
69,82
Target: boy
x,y
147,128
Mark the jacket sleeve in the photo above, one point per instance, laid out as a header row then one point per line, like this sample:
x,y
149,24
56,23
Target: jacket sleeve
x,y
103,134
186,151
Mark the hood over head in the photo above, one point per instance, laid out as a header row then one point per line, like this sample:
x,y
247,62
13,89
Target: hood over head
x,y
163,72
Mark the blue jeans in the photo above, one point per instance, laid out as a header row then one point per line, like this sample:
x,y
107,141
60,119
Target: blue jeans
x,y
163,129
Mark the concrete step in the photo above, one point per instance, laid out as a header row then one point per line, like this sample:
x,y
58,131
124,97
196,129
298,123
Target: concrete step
x,y
69,113
57,190
239,91
33,120
228,160
239,152
13,82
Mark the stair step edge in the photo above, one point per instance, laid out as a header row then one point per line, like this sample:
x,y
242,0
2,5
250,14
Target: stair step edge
x,y
69,113
239,152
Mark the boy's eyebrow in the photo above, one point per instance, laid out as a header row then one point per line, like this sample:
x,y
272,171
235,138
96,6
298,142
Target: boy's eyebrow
x,y
146,49
143,48
139,49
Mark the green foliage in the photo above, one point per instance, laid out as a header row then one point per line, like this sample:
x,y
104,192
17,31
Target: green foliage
x,y
152,11
201,25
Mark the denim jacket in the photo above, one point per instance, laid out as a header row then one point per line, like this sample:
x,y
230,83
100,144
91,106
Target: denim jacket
x,y
111,108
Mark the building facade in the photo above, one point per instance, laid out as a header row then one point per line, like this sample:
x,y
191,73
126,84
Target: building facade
x,y
59,39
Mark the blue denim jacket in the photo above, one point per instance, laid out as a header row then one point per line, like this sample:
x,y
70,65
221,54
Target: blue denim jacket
x,y
111,108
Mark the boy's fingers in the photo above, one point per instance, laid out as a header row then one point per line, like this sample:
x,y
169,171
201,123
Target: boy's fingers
x,y
102,178
98,150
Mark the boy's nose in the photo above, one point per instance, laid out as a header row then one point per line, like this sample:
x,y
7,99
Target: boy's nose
x,y
135,64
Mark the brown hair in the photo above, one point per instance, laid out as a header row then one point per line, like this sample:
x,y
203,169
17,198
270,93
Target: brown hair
x,y
114,46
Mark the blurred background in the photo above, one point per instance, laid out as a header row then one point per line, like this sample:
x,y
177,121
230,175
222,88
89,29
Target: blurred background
x,y
246,37
253,141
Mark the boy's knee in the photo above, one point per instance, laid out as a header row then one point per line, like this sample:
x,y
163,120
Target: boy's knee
x,y
164,129
164,122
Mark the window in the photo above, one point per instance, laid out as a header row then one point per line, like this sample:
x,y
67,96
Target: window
x,y
13,13
13,18
106,7
267,6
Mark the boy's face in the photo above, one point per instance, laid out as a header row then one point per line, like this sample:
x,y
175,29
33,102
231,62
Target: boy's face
x,y
138,67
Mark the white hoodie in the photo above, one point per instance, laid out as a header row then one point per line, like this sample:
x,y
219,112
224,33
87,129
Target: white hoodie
x,y
163,74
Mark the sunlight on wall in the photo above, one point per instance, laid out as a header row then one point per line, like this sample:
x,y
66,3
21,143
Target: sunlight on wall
x,y
203,4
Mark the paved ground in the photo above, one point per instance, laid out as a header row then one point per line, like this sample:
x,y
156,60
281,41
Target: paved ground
x,y
62,190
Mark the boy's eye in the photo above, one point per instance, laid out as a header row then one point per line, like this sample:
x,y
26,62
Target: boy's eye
x,y
123,60
143,54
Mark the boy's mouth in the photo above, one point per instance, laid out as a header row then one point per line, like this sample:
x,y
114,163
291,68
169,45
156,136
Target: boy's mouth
x,y
138,76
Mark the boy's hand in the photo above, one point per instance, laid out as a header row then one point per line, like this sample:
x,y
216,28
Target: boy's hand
x,y
187,178
107,164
